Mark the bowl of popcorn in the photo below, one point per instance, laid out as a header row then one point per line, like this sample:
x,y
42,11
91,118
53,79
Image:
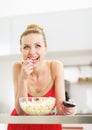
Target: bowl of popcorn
x,y
37,105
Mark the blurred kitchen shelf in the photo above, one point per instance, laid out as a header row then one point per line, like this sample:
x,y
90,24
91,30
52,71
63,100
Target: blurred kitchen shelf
x,y
79,65
83,82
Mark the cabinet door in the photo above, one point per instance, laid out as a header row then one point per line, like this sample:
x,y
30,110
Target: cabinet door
x,y
73,128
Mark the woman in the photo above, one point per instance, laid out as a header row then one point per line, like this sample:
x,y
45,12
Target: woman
x,y
36,76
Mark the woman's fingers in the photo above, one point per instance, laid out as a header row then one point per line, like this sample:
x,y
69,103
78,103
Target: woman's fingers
x,y
27,67
69,110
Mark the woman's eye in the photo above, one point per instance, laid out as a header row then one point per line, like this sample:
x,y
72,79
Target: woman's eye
x,y
38,45
25,47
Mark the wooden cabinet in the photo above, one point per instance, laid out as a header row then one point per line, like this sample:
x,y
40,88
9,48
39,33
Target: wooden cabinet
x,y
73,128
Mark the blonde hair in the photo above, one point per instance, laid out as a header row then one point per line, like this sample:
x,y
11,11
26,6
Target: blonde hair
x,y
33,28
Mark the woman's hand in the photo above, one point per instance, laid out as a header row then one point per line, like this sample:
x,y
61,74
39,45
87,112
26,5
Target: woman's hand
x,y
66,110
62,109
27,68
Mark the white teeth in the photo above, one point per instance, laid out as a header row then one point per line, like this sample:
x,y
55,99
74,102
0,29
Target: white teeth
x,y
33,59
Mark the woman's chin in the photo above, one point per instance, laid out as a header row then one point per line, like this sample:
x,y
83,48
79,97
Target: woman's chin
x,y
35,64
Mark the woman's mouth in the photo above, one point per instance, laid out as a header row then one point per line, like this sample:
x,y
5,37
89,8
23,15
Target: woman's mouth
x,y
34,60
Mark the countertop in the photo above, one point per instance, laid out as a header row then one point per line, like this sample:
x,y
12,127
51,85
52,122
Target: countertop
x,y
56,119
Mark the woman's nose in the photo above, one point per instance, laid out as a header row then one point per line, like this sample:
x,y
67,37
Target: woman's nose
x,y
31,51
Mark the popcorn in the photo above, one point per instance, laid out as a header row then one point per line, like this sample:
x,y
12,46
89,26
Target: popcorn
x,y
38,106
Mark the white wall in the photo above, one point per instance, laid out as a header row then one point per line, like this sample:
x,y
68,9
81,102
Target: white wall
x,y
65,30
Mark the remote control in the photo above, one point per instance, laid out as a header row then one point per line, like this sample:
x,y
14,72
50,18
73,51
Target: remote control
x,y
69,104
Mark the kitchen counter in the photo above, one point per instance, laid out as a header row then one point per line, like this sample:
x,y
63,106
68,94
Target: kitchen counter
x,y
77,119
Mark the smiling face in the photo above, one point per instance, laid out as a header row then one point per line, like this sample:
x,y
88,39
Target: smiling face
x,y
33,48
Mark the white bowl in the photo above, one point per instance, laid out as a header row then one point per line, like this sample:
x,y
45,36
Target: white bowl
x,y
37,105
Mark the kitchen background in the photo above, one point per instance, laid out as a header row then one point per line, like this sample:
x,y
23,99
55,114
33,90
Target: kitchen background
x,y
69,40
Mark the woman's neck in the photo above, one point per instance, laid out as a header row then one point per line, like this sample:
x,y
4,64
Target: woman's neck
x,y
38,70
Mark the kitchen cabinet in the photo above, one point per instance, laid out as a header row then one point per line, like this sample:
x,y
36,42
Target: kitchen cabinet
x,y
81,93
73,128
